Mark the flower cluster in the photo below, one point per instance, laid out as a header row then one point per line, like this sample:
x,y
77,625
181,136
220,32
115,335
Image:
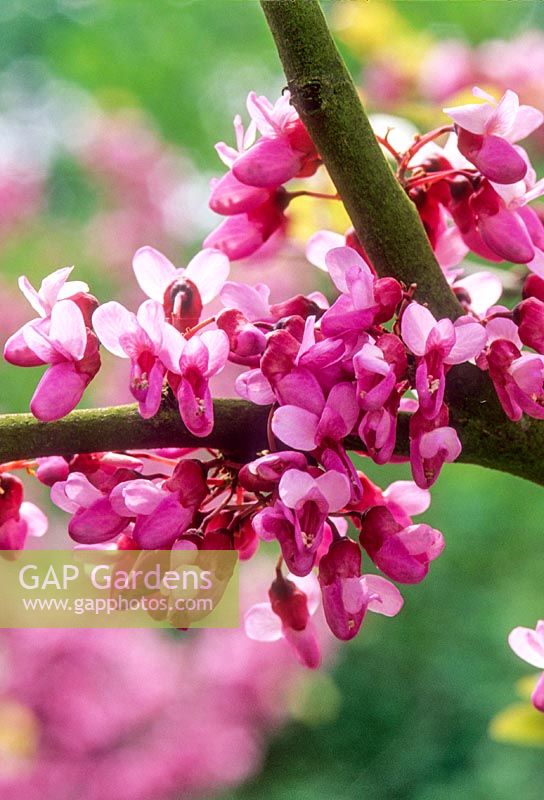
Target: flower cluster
x,y
337,371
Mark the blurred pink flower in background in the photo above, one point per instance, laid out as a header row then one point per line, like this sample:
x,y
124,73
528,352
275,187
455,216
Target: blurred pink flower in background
x,y
136,714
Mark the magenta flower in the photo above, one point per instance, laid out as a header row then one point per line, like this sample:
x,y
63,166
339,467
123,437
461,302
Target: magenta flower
x,y
529,316
264,474
402,553
314,422
528,644
203,356
364,299
284,149
378,368
297,520
509,228
293,601
161,512
53,288
432,443
348,595
183,292
18,517
436,346
62,341
241,235
93,519
152,345
488,130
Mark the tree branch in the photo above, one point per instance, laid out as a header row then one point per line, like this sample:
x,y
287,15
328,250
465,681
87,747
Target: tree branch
x,y
385,219
488,438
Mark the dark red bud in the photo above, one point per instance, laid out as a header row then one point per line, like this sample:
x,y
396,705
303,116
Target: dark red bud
x,y
289,603
182,304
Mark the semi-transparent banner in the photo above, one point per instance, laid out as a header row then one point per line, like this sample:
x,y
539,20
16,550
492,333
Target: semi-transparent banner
x,y
119,589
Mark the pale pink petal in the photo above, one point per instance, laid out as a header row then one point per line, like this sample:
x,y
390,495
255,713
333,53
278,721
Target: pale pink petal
x,y
528,119
217,344
253,386
294,485
470,339
504,115
153,271
443,440
172,348
422,540
501,328
472,117
388,600
339,261
208,270
70,288
80,490
150,316
38,342
35,519
53,284
295,427
409,497
136,497
68,328
484,289
58,392
32,296
335,489
416,324
109,322
319,245
252,301
261,624
528,645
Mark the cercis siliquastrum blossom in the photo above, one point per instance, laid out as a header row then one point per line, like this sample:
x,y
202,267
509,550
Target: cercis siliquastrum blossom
x,y
330,366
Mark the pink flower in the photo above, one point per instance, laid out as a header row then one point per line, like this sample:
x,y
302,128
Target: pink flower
x,y
284,150
297,520
436,345
152,345
63,341
432,443
528,644
203,356
348,595
378,368
517,377
293,600
264,474
53,288
241,235
487,130
183,292
18,517
402,553
529,316
364,300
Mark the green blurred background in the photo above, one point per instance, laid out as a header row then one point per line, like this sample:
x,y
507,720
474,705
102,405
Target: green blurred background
x,y
415,695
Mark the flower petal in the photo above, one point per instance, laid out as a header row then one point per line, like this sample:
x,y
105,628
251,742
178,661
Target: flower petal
x,y
208,270
153,271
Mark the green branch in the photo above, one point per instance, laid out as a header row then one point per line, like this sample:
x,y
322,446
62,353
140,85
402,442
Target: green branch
x,y
488,438
385,220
